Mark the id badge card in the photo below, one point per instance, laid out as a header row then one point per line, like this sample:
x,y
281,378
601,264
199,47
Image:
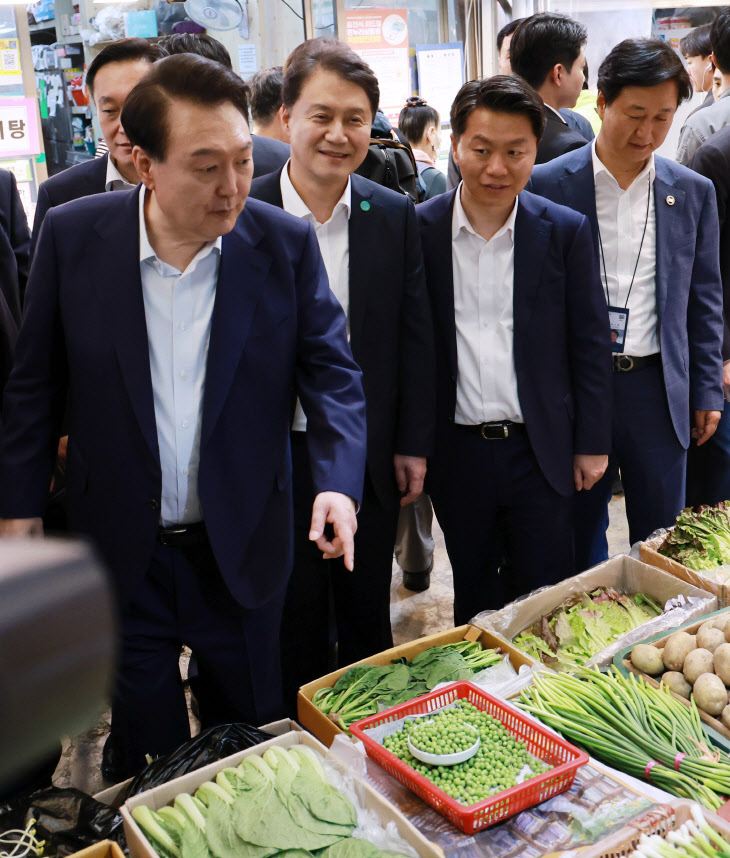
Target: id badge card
x,y
618,320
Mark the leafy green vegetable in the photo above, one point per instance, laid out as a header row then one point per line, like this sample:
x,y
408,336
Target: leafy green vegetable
x,y
584,625
700,540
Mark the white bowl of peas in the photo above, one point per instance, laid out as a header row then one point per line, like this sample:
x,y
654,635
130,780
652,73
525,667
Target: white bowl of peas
x,y
434,743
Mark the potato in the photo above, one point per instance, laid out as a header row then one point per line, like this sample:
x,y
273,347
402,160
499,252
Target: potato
x,y
709,693
677,683
676,649
721,658
710,639
725,717
647,659
708,624
698,661
721,621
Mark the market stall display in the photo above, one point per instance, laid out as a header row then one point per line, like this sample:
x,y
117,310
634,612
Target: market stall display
x,y
643,731
325,727
548,763
264,814
584,620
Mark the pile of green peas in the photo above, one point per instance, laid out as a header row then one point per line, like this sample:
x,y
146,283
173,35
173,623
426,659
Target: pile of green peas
x,y
494,768
443,736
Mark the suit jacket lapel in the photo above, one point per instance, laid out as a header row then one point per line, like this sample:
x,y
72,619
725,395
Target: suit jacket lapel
x,y
362,250
126,315
579,192
532,238
437,252
668,224
241,280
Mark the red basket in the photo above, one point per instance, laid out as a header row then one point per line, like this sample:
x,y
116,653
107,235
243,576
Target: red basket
x,y
542,743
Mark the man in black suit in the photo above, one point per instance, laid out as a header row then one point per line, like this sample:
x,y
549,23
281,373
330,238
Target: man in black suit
x,y
369,242
708,466
111,77
548,51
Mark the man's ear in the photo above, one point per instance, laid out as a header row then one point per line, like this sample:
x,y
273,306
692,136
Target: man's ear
x,y
284,126
455,149
143,166
555,75
601,105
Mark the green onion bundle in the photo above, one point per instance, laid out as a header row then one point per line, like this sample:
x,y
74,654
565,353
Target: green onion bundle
x,y
638,729
695,839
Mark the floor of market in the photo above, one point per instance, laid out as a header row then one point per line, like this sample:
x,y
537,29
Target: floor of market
x,y
413,616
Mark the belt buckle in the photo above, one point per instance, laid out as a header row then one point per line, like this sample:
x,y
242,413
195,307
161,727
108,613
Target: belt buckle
x,y
505,432
625,363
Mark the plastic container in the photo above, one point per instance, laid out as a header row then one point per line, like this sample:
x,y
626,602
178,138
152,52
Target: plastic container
x,y
540,742
663,819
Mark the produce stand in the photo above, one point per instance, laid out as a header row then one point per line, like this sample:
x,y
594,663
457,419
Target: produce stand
x,y
624,574
715,729
660,820
649,553
139,846
326,730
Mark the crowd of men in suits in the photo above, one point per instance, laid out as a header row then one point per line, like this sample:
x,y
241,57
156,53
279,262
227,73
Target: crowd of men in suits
x,y
252,377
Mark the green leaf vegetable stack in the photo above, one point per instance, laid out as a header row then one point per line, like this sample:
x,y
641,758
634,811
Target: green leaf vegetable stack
x,y
700,540
280,805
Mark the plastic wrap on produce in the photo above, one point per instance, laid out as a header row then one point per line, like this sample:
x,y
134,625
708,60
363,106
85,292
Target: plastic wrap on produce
x,y
683,602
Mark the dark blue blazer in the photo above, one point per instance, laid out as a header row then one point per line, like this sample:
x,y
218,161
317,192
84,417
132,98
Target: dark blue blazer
x,y
268,155
81,180
561,335
276,331
688,283
390,324
14,244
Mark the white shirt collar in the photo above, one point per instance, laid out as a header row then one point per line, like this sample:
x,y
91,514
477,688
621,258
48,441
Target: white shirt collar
x,y
460,221
556,112
599,168
296,206
147,252
113,175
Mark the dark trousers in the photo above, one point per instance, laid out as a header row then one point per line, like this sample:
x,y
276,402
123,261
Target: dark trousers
x,y
708,466
325,602
494,505
183,600
653,467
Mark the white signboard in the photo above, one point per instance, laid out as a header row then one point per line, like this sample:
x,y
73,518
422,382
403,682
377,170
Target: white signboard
x,y
440,75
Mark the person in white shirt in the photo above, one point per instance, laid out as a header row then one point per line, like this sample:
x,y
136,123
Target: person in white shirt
x,y
548,51
368,239
522,355
655,226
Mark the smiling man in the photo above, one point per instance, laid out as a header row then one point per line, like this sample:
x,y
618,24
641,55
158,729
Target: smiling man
x,y
182,360
112,75
655,228
522,355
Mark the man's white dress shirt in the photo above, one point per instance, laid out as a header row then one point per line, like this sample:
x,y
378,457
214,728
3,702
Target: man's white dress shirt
x,y
115,181
621,217
178,308
486,386
334,244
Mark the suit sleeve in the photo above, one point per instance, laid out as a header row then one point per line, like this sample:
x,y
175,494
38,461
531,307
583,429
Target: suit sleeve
x,y
704,313
35,395
42,206
19,236
590,351
328,381
417,382
711,162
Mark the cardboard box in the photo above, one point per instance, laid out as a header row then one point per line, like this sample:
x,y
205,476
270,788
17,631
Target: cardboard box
x,y
325,730
160,796
112,795
623,573
648,552
714,723
105,849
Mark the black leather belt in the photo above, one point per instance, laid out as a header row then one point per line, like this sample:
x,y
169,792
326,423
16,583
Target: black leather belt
x,y
182,535
626,363
497,431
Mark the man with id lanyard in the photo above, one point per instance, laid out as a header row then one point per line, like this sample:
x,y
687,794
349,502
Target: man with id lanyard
x,y
656,232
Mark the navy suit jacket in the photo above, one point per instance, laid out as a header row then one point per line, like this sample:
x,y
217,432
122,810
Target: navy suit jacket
x,y
268,155
81,180
561,335
390,324
276,331
557,139
14,244
688,283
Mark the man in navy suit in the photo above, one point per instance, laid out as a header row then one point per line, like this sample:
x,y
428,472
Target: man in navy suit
x,y
111,76
183,332
522,351
655,227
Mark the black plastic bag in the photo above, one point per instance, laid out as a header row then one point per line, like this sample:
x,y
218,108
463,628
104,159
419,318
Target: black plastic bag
x,y
67,819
